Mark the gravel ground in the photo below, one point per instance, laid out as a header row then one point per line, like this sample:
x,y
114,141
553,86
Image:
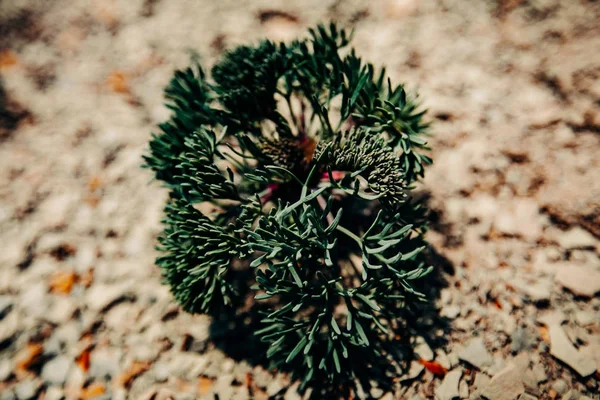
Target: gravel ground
x,y
513,89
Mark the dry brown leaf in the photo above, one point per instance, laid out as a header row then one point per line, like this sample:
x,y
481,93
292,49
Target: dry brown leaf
x,y
8,59
204,385
117,82
83,359
62,282
30,356
94,183
136,369
544,334
434,367
93,390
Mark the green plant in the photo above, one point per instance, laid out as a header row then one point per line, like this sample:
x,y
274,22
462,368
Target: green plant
x,y
296,161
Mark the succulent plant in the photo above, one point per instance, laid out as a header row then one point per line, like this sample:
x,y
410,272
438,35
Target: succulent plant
x,y
296,162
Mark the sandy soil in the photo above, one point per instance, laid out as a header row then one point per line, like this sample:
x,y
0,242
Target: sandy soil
x,y
513,89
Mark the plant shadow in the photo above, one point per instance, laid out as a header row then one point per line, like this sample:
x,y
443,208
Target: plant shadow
x,y
233,333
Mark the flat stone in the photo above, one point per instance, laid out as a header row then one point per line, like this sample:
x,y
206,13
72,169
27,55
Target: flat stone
x,y
275,387
539,373
6,303
9,326
27,389
161,372
5,369
576,238
448,390
571,395
537,292
562,348
555,317
415,370
481,381
476,354
505,385
54,393
451,311
560,386
423,350
56,370
582,280
585,318
292,392
105,362
463,389
101,296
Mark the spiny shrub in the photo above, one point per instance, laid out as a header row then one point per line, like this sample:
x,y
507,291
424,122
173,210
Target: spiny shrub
x,y
296,162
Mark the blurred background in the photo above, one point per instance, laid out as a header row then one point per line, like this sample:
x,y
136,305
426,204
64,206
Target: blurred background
x,y
513,91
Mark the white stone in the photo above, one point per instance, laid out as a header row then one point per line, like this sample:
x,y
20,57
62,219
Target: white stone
x,y
562,348
56,370
476,354
507,384
448,390
583,280
576,238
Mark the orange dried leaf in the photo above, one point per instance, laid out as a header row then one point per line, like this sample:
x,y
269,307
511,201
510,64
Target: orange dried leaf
x,y
434,367
136,369
62,282
117,82
94,183
31,354
497,304
83,359
544,334
93,390
8,59
204,385
249,380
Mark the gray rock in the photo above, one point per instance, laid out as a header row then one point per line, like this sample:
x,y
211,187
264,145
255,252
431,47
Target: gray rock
x,y
562,348
56,370
476,354
505,385
522,339
448,390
